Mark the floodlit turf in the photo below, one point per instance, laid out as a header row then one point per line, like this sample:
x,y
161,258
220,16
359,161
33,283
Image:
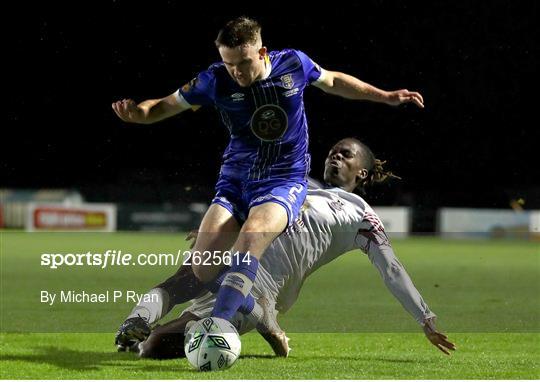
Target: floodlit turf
x,y
328,356
486,294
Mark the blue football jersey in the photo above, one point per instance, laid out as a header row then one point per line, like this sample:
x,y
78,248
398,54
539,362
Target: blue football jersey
x,y
266,121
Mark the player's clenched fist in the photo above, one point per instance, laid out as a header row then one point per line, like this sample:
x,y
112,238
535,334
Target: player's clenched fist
x,y
128,111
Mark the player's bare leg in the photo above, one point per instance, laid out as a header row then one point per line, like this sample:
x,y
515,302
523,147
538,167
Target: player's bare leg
x,y
265,222
217,233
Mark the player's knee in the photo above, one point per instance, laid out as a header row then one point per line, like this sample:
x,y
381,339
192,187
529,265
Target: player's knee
x,y
254,224
263,227
254,235
203,273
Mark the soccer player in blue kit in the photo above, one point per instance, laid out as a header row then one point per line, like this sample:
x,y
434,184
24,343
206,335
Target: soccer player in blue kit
x,y
262,181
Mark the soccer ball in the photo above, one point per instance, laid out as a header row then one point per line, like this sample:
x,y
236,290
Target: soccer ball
x,y
212,344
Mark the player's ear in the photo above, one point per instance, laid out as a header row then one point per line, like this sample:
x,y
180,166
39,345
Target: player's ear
x,y
262,52
361,175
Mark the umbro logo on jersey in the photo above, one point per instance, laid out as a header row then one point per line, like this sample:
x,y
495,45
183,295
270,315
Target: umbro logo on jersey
x,y
238,97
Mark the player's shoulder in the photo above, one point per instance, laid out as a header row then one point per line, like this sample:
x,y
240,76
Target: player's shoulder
x,y
286,57
215,75
217,69
334,192
314,184
287,53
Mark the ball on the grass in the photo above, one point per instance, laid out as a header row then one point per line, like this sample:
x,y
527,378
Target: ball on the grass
x,y
212,344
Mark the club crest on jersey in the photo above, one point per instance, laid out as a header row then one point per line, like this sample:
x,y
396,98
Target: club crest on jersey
x,y
336,205
269,122
287,81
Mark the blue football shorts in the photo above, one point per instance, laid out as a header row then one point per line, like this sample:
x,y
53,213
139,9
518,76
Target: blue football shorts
x,y
238,196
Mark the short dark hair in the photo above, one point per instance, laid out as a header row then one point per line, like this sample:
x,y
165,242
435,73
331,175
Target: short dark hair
x,y
240,31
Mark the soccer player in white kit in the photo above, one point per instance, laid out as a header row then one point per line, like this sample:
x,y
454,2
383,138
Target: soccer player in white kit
x,y
332,222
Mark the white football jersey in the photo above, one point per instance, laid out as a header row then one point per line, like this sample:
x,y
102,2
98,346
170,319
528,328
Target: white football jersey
x,y
325,229
331,222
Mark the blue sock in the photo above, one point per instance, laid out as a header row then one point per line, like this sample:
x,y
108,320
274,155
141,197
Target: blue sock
x,y
213,286
234,292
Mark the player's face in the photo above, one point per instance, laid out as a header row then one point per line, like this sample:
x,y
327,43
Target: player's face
x,y
343,165
244,63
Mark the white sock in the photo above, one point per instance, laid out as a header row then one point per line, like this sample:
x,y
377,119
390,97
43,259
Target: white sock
x,y
256,314
152,306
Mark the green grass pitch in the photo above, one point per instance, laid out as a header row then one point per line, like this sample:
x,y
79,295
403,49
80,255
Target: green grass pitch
x,y
345,324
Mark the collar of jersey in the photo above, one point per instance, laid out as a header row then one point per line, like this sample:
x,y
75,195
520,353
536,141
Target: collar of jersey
x,y
268,66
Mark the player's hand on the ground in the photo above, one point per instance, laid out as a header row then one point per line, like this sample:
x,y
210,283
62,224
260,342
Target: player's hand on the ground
x,y
398,97
193,237
437,338
128,111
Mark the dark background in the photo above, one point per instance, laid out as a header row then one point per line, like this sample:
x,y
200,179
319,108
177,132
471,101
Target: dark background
x,y
475,144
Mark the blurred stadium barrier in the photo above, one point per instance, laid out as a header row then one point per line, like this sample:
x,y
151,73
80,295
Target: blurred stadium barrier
x,y
396,220
160,217
93,217
14,203
67,210
496,223
534,225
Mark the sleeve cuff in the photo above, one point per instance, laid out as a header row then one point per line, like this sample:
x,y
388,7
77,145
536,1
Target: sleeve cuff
x,y
321,77
426,317
181,100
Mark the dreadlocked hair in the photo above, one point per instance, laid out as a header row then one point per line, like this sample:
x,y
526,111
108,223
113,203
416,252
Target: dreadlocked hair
x,y
377,174
376,171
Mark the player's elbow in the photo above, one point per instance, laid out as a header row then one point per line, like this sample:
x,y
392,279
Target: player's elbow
x,y
393,271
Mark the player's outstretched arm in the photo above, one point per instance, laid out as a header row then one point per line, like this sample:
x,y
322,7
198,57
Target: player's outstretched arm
x,y
380,252
350,87
149,111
